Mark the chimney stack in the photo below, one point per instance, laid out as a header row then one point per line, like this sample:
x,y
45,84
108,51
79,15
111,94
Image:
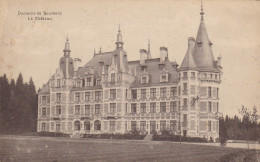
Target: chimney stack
x,y
143,56
163,54
77,63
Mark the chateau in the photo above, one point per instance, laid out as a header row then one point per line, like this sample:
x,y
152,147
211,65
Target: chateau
x,y
110,94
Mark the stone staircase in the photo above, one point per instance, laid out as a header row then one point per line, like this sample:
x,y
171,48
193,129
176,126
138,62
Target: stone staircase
x,y
148,137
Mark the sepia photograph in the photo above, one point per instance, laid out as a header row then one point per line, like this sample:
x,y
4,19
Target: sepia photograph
x,y
129,80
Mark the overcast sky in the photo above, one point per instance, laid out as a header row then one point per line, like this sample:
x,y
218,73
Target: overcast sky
x,y
34,47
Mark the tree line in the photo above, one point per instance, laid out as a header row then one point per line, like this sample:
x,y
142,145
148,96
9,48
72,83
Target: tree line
x,y
235,128
18,105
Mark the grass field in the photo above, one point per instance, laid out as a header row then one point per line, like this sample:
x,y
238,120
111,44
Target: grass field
x,y
62,149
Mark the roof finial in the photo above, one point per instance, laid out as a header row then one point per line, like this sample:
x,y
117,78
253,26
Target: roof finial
x,y
67,38
100,50
201,12
119,28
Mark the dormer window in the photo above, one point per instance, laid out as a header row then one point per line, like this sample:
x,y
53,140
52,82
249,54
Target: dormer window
x,y
164,77
58,82
144,80
78,83
113,76
88,81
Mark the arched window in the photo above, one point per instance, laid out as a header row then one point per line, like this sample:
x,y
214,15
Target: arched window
x,y
97,125
77,125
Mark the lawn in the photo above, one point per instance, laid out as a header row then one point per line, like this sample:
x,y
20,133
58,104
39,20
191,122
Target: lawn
x,y
13,148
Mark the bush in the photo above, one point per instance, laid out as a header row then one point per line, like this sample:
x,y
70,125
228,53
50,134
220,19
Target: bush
x,y
176,138
46,134
115,136
242,155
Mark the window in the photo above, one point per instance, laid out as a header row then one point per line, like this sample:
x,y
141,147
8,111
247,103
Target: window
x,y
77,125
153,107
112,107
112,93
185,87
134,94
44,111
43,99
77,94
193,74
162,125
97,125
98,95
205,76
173,106
87,96
87,125
113,76
78,83
98,82
185,74
153,93
43,126
48,99
112,125
126,92
184,117
185,101
179,90
216,76
133,125
58,82
217,106
209,91
143,93
58,127
88,81
126,108
163,92
142,126
217,93
97,109
133,108
163,106
210,108
77,109
209,126
152,126
87,109
58,97
144,80
173,125
58,110
173,91
164,78
143,107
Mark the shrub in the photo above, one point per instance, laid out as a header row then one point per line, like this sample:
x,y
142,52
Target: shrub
x,y
115,136
176,138
47,134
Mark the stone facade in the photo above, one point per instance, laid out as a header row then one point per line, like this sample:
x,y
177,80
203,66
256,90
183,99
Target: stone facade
x,y
113,95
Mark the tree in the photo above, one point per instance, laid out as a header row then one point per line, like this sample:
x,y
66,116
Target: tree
x,y
222,132
249,119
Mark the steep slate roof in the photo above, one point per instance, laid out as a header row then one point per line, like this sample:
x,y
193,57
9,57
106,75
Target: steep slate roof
x,y
188,61
106,57
44,89
153,71
202,52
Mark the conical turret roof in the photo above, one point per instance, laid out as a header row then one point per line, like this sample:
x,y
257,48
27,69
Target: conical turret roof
x,y
202,53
